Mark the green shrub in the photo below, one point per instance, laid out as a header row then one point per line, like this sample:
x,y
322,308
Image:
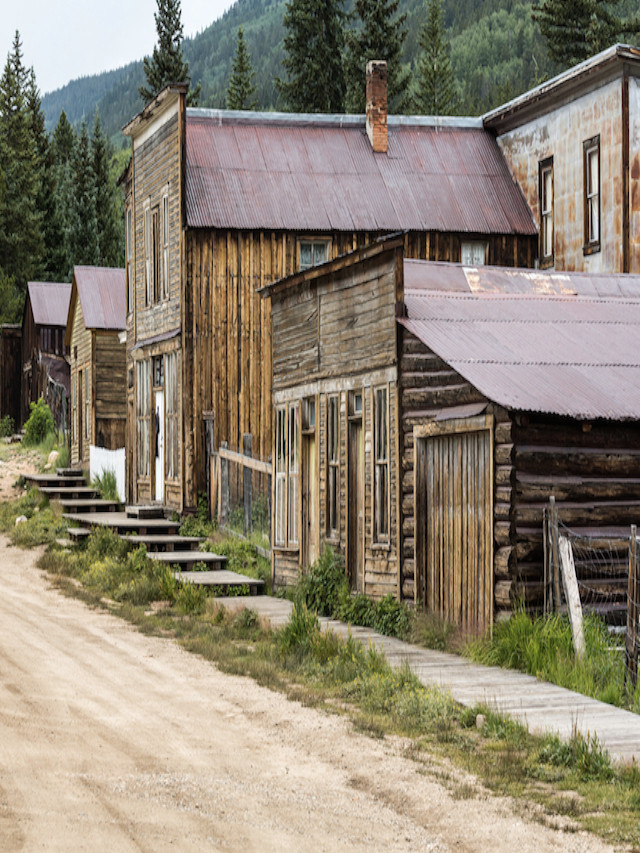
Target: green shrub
x,y
7,426
324,583
583,754
191,598
106,485
39,424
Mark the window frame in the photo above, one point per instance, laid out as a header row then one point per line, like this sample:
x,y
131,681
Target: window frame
x,y
381,468
143,417
165,244
129,256
591,196
87,406
171,385
286,533
313,242
474,246
333,466
546,205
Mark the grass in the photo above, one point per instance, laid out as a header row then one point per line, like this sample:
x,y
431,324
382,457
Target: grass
x,y
543,647
43,523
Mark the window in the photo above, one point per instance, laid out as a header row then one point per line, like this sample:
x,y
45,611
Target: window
x,y
153,284
158,371
312,253
545,195
381,463
171,412
74,409
287,475
143,415
87,407
592,195
473,253
129,251
333,465
165,245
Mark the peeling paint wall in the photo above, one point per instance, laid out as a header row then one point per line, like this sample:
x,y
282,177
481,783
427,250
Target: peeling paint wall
x,y
561,133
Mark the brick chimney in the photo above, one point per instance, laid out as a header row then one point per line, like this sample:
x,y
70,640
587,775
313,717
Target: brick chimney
x,y
377,105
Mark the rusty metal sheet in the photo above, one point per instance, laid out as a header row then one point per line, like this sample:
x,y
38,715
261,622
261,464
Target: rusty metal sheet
x,y
49,302
567,355
102,295
308,173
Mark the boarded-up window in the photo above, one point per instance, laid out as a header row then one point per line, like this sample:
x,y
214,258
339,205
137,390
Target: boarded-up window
x,y
156,287
165,245
333,463
546,211
381,462
281,475
87,406
592,194
74,410
294,470
143,415
171,410
129,250
148,253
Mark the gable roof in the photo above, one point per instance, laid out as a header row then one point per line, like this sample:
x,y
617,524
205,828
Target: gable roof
x,y
555,350
49,302
319,173
102,294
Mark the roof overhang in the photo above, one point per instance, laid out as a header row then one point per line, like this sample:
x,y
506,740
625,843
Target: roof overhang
x,y
166,100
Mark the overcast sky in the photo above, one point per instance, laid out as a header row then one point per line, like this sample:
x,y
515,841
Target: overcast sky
x,y
66,39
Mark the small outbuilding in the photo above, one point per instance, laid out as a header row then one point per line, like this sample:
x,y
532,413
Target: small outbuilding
x,y
425,412
96,341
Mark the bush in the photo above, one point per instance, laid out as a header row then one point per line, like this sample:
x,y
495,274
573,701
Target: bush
x,y
324,583
40,423
106,485
7,426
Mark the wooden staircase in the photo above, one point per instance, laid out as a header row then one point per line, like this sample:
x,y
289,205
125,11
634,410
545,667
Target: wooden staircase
x,y
142,525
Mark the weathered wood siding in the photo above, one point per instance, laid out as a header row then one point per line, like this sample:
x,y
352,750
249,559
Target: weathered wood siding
x,y
81,358
10,372
337,338
229,327
110,390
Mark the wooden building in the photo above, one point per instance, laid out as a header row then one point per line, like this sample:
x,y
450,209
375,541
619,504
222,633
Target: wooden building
x,y
10,371
425,412
97,352
573,145
45,369
220,203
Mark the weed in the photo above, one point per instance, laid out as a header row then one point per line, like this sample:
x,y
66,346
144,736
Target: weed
x,y
106,485
7,426
324,583
584,755
191,598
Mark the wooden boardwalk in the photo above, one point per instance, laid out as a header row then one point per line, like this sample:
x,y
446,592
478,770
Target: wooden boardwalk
x,y
541,706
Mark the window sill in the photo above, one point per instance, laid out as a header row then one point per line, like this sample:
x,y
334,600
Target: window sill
x,y
591,249
287,549
381,546
546,263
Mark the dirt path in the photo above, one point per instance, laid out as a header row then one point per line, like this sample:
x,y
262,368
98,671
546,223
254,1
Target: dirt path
x,y
110,740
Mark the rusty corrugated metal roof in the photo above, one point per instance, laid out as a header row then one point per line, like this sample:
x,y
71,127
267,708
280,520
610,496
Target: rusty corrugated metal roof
x,y
49,302
102,294
564,354
305,173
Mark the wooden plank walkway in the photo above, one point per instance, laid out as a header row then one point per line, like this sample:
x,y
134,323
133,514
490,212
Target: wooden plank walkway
x,y
542,707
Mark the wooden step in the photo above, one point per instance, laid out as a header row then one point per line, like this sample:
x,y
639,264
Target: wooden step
x,y
165,542
70,472
80,492
53,480
222,578
146,511
187,560
120,523
89,506
78,534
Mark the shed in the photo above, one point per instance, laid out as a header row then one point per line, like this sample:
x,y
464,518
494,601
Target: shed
x,y
95,338
478,393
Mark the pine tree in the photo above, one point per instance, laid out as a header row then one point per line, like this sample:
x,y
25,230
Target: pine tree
x,y
167,63
313,43
84,224
21,246
577,29
63,144
241,89
108,216
381,35
436,92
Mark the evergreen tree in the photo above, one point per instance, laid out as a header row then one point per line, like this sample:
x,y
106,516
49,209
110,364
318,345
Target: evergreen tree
x,y
84,225
313,43
380,35
63,145
241,89
577,29
167,63
108,216
21,247
436,92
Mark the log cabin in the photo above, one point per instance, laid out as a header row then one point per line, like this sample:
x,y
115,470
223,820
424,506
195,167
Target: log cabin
x,y
10,371
95,330
220,203
45,369
423,414
572,144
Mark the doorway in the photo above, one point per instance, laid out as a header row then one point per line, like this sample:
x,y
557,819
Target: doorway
x,y
355,512
309,500
159,421
80,411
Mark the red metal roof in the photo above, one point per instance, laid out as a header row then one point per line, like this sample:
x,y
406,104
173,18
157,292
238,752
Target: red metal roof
x,y
49,302
102,294
564,354
319,173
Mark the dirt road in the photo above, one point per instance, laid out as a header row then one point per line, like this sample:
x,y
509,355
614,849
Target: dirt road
x,y
113,741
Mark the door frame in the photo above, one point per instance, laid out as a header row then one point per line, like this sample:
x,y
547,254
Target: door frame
x,y
159,434
355,503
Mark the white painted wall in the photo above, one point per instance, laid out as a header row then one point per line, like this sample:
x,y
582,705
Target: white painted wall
x,y
101,460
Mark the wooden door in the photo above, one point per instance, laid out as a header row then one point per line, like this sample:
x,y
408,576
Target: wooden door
x,y
457,478
159,447
80,415
309,501
355,511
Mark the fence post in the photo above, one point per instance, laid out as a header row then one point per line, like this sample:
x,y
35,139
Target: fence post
x,y
223,508
572,595
555,554
631,643
247,484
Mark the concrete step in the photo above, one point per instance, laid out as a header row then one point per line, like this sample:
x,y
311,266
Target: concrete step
x,y
222,578
187,560
89,505
165,542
